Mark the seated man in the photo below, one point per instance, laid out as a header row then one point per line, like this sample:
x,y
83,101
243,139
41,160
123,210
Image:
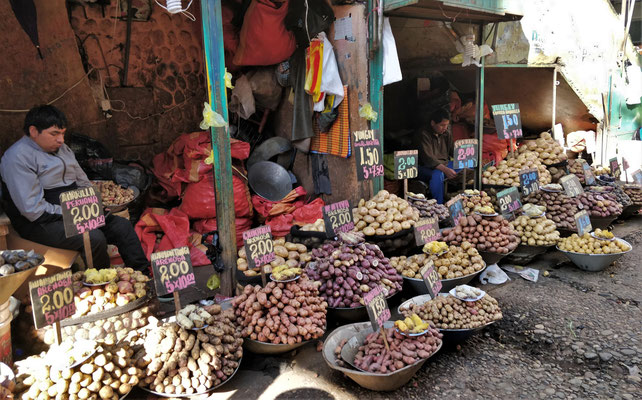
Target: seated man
x,y
435,151
35,170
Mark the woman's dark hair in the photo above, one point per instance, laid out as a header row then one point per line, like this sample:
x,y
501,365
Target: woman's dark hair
x,y
439,115
44,116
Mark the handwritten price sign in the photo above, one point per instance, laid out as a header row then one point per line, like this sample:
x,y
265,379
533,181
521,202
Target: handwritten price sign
x,y
368,155
406,164
337,217
466,153
571,185
589,178
431,278
509,201
456,208
426,231
377,307
82,211
583,222
172,270
508,120
615,167
259,247
529,180
52,299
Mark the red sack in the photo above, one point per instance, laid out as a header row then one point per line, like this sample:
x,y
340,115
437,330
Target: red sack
x,y
199,199
280,225
287,205
309,213
264,39
207,225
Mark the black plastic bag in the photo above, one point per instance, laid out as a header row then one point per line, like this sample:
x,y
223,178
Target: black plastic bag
x,y
93,156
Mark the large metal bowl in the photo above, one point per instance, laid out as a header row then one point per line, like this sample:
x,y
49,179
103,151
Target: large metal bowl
x,y
594,262
630,211
524,254
419,286
257,347
354,314
602,222
377,382
492,258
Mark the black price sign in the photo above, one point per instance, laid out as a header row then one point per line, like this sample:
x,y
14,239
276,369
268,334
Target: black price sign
x,y
368,155
52,299
82,211
456,208
583,222
466,151
406,164
431,278
377,307
508,121
338,218
572,185
589,178
172,270
637,176
615,167
529,180
509,201
259,248
426,231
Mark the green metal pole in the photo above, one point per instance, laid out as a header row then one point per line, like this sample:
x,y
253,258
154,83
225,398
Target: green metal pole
x,y
222,166
375,80
479,119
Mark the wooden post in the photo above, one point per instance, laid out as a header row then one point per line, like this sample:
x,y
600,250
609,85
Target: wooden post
x,y
177,302
464,184
87,244
385,340
263,278
405,189
58,333
222,166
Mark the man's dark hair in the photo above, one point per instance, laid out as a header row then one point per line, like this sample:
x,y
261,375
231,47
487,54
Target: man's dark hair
x,y
44,116
439,115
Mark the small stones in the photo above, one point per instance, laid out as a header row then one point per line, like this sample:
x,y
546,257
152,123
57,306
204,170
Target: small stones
x,y
590,355
628,352
576,381
607,332
539,326
605,356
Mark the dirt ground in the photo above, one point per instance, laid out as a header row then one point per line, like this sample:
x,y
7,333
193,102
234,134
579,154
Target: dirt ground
x,y
571,335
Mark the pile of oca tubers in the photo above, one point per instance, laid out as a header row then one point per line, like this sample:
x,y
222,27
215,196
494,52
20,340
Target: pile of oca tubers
x,y
281,313
404,350
475,202
384,215
113,194
493,234
538,231
291,254
451,313
428,208
348,271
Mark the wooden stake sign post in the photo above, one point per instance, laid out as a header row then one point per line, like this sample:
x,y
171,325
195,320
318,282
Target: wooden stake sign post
x,y
52,300
378,310
625,167
431,279
259,248
82,211
466,151
173,272
508,122
337,217
368,155
406,167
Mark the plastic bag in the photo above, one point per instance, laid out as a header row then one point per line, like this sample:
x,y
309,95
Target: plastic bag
x,y
391,67
93,156
330,80
211,119
493,274
265,88
314,69
242,101
309,213
366,112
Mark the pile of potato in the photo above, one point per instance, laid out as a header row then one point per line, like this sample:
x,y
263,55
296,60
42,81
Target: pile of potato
x,y
291,254
559,207
457,262
108,331
557,173
183,362
492,234
428,208
587,244
618,192
113,194
317,226
451,313
108,374
634,193
507,172
404,350
128,285
575,167
601,170
548,150
349,270
539,231
384,215
600,204
475,202
281,313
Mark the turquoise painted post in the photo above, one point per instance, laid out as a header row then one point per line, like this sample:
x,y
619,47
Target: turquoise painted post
x,y
479,118
222,166
375,82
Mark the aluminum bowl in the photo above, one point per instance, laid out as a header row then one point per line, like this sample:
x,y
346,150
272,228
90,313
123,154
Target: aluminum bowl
x,y
524,254
630,211
257,347
353,314
492,258
602,222
594,262
377,382
419,286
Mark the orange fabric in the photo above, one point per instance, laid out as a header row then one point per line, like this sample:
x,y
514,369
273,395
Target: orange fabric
x,y
314,69
337,140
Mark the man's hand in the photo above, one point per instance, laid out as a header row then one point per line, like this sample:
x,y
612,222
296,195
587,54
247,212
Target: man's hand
x,y
450,173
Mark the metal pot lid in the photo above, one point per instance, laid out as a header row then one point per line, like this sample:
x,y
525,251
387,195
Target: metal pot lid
x,y
269,180
270,148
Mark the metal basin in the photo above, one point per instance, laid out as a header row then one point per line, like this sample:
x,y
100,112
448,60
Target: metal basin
x,y
524,254
270,348
419,286
355,314
269,180
492,258
594,262
377,382
602,222
630,211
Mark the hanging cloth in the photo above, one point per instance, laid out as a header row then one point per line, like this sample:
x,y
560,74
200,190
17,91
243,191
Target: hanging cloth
x,y
302,113
314,69
27,16
337,141
330,80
